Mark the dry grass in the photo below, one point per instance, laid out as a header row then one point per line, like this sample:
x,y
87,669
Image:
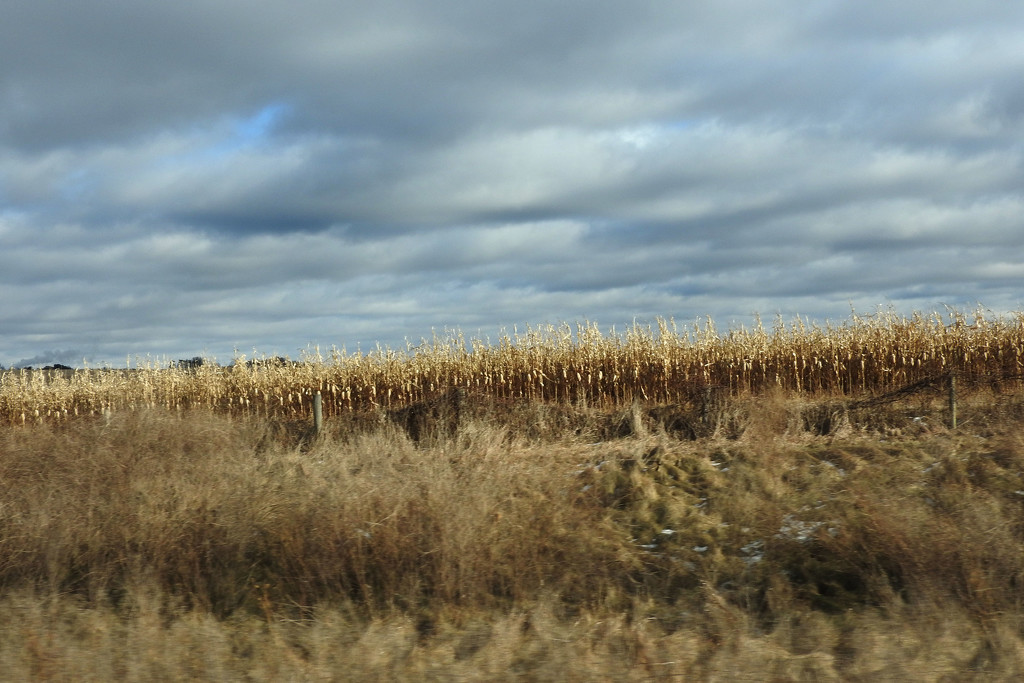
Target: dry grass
x,y
577,366
562,505
62,641
761,537
212,510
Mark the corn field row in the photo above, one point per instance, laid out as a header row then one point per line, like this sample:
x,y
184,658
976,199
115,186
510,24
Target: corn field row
x,y
659,364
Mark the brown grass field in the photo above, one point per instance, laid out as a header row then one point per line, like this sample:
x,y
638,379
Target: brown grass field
x,y
568,506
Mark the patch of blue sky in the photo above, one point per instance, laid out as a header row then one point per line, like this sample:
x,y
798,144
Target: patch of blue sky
x,y
642,135
231,135
78,184
254,129
676,125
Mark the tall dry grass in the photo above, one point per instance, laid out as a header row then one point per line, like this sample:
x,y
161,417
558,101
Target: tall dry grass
x,y
206,508
538,541
574,365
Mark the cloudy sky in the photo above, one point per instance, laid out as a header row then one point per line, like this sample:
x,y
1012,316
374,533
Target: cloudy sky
x,y
193,177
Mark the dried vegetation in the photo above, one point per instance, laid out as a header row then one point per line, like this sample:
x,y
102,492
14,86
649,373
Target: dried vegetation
x,y
581,366
722,534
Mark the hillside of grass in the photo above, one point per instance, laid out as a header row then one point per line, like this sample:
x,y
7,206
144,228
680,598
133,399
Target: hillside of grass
x,y
771,535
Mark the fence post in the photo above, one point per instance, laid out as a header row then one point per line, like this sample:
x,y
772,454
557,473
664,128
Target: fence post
x,y
705,405
952,399
318,413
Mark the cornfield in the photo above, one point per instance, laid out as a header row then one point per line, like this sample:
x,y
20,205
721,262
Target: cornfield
x,y
663,363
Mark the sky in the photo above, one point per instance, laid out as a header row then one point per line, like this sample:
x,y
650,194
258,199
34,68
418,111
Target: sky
x,y
258,177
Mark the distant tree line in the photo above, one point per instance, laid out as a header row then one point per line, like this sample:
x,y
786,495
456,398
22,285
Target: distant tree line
x,y
197,362
193,363
55,366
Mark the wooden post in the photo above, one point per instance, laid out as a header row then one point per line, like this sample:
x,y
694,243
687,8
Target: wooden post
x,y
952,399
705,406
318,413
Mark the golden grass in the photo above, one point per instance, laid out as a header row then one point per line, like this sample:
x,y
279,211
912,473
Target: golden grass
x,y
651,506
665,364
59,640
539,541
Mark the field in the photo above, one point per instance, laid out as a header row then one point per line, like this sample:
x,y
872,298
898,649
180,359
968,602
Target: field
x,y
791,504
580,366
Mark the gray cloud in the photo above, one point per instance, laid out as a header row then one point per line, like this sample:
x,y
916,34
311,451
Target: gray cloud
x,y
206,176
